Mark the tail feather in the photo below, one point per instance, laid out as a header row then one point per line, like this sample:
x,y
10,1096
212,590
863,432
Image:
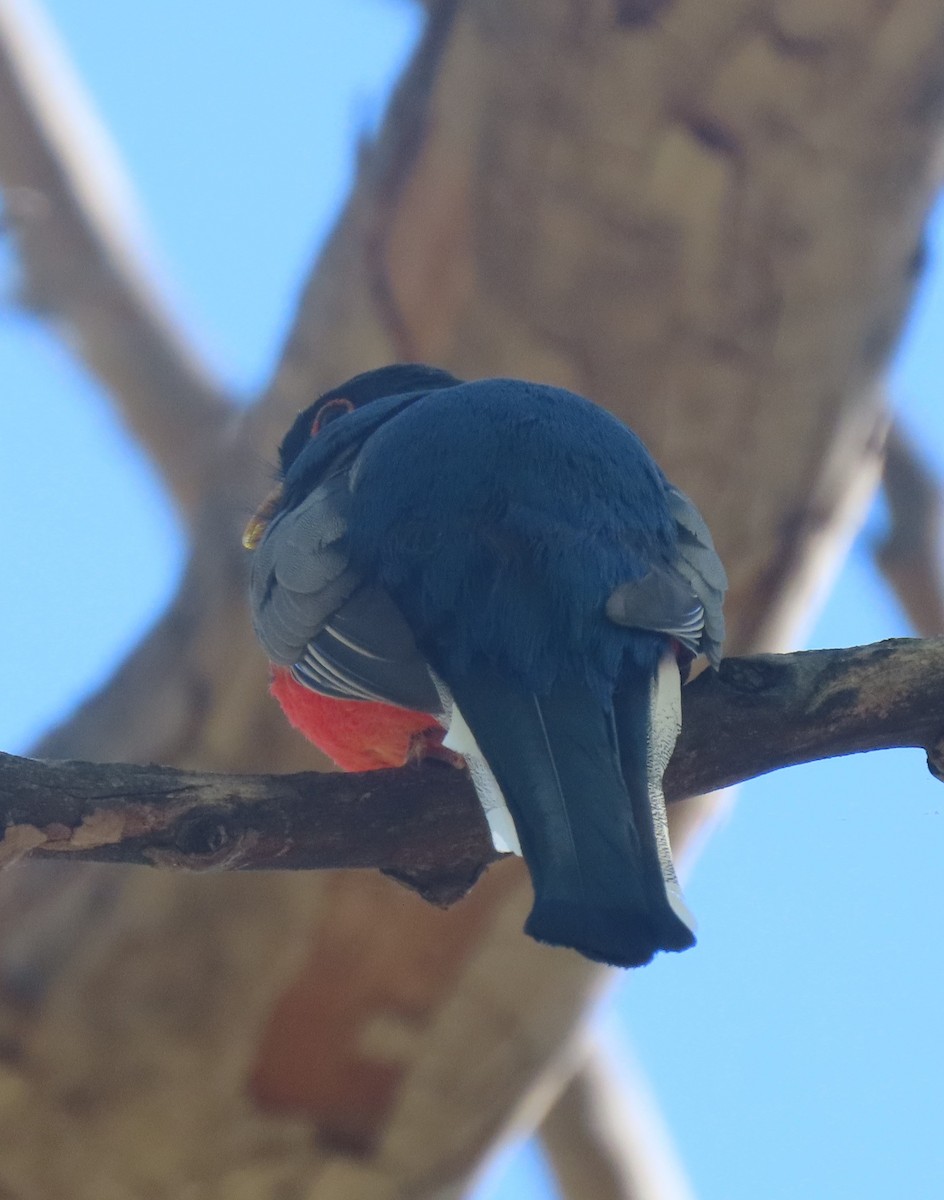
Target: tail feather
x,y
591,848
647,713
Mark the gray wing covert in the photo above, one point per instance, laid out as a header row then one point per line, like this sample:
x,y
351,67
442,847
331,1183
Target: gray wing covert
x,y
300,573
698,561
342,636
684,598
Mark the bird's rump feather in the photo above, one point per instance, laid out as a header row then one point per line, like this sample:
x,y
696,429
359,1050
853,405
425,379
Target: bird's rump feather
x,y
500,516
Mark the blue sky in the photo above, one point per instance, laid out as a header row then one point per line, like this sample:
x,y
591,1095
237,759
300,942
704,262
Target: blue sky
x,y
797,1050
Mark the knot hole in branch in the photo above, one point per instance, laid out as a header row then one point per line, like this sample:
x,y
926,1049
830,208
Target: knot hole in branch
x,y
204,839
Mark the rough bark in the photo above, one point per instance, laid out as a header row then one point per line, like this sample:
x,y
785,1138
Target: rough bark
x,y
707,217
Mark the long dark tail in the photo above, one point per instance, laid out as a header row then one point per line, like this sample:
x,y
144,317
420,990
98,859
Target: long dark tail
x,y
574,775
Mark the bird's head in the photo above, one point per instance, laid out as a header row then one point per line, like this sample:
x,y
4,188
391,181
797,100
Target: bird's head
x,y
395,380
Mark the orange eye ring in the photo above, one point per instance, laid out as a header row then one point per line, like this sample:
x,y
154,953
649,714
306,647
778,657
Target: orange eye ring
x,y
330,412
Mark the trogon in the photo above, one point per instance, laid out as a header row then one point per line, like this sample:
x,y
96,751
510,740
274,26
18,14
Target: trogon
x,y
498,570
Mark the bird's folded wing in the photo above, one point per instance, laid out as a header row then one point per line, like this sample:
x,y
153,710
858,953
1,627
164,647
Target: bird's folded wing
x,y
366,651
313,612
682,599
698,561
300,573
663,601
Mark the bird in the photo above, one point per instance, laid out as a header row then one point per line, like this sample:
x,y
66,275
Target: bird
x,y
498,573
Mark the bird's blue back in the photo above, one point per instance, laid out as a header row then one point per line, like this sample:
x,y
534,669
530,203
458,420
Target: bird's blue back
x,y
501,515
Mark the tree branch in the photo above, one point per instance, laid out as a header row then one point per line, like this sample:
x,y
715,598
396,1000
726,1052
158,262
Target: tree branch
x,y
83,258
910,555
422,824
605,1136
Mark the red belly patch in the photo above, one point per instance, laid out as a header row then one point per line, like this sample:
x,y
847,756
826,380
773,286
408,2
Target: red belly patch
x,y
358,735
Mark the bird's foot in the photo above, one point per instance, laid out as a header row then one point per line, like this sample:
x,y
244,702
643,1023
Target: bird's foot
x,y
428,745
